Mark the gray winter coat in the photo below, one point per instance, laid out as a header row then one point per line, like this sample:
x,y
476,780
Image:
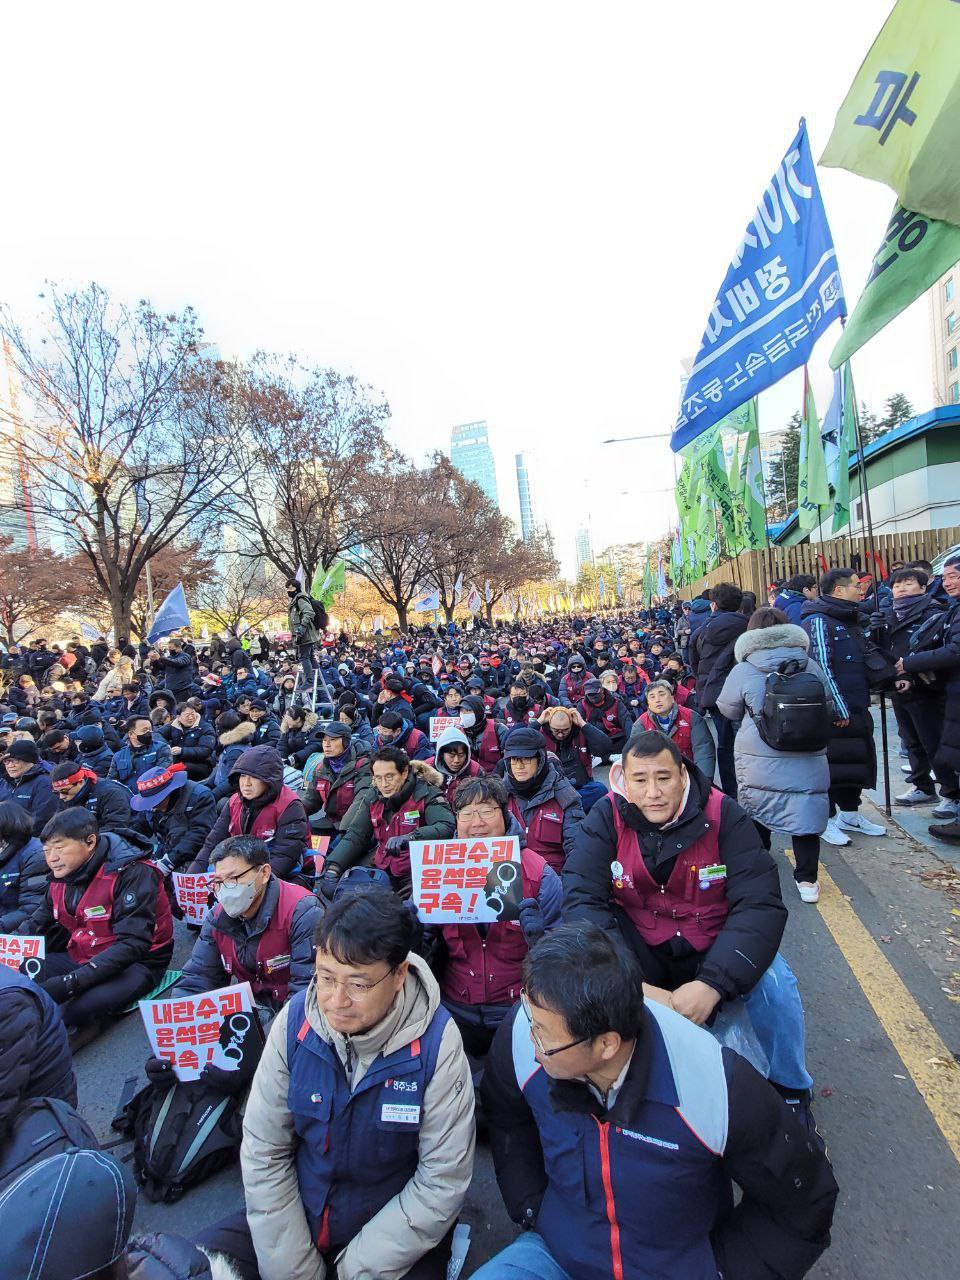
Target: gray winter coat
x,y
786,791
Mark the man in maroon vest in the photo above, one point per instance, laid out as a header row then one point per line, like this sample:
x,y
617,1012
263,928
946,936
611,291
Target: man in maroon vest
x,y
260,929
110,903
686,727
678,869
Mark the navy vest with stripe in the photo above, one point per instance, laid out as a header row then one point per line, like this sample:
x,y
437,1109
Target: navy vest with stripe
x,y
357,1150
637,1202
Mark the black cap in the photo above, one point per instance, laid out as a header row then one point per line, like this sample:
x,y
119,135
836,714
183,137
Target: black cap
x,y
394,684
523,741
23,749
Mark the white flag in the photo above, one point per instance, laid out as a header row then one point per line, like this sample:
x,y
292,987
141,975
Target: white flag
x,y
458,589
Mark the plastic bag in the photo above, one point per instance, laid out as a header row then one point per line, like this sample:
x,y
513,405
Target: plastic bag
x,y
733,1029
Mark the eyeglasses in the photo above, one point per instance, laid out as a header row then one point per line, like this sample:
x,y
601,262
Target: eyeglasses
x,y
546,1053
485,815
218,884
355,988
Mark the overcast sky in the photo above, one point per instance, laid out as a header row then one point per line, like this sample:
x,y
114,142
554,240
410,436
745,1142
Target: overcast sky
x,y
513,211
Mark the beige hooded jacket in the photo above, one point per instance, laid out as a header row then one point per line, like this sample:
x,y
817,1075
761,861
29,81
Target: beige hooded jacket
x,y
414,1221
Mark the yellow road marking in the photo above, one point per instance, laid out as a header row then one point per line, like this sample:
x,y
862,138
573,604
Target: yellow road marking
x,y
907,1026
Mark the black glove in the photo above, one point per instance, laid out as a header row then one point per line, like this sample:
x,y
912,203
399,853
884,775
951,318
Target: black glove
x,y
531,921
61,988
160,1073
397,844
877,622
327,884
232,1083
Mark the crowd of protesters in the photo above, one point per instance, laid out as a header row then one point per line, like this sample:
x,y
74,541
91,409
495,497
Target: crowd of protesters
x,y
591,1039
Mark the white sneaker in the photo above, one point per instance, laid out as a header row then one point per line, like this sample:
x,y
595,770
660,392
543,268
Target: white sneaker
x,y
946,810
808,892
833,834
857,822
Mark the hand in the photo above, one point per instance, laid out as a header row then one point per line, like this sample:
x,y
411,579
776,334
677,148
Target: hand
x,y
903,686
160,1073
842,724
898,667
696,1001
576,719
659,994
384,696
531,921
164,864
327,884
397,844
61,988
174,751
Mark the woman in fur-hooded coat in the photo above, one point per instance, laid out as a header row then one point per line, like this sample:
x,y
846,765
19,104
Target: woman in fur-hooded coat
x,y
786,791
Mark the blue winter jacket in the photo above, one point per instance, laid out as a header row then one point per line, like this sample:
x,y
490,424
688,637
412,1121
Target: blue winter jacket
x,y
129,765
24,876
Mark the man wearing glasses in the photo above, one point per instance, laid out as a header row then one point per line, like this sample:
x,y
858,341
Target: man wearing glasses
x,y
618,1129
358,1136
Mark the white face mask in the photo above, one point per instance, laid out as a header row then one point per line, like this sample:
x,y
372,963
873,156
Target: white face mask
x,y
237,898
467,719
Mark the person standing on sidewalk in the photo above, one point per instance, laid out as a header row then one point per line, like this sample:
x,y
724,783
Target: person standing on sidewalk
x,y
838,646
918,699
780,790
711,655
943,662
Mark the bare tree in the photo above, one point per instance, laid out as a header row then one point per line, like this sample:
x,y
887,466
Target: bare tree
x,y
314,438
510,564
36,586
244,594
125,432
464,526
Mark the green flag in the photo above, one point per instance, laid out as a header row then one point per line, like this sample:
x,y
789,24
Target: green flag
x,y
751,486
900,120
813,491
328,583
847,446
915,251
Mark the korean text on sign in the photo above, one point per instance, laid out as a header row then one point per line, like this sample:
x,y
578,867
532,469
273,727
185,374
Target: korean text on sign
x,y
466,881
440,724
17,947
186,1031
192,892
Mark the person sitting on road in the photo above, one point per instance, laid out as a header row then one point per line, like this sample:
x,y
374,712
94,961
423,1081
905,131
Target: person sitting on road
x,y
678,869
407,802
393,730
77,786
618,1130
483,733
453,759
260,929
35,1059
607,711
175,813
337,779
263,806
520,706
266,727
539,796
686,727
575,744
25,779
479,965
106,918
192,741
358,1136
24,874
144,749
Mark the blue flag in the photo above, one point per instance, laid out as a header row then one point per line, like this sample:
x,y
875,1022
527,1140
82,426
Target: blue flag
x,y
780,294
171,615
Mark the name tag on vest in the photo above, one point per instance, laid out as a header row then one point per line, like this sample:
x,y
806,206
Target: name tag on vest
x,y
277,962
712,875
94,913
399,1113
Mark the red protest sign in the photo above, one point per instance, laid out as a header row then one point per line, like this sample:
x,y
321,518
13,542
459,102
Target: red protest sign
x,y
17,947
186,1031
440,724
192,893
468,881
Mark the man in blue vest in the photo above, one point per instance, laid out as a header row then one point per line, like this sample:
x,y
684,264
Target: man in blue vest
x,y
618,1129
358,1135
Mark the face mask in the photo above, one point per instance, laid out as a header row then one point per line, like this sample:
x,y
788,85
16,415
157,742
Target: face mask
x,y
467,719
237,898
522,702
144,739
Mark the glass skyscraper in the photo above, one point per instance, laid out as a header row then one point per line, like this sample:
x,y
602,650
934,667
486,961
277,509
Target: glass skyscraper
x,y
528,525
471,454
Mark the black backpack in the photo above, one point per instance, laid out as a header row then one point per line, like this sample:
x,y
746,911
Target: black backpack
x,y
320,616
795,715
44,1127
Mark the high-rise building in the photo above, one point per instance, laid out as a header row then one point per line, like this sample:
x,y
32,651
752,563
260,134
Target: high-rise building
x,y
471,454
584,549
945,337
528,525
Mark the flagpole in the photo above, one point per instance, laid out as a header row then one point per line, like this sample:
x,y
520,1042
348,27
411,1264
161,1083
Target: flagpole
x,y
150,613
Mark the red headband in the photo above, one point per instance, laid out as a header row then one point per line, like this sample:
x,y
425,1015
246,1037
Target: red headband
x,y
81,775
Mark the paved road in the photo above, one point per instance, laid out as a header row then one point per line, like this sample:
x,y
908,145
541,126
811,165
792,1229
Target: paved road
x,y
877,963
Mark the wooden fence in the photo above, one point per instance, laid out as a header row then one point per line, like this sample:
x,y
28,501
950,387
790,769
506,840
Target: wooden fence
x,y
755,570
